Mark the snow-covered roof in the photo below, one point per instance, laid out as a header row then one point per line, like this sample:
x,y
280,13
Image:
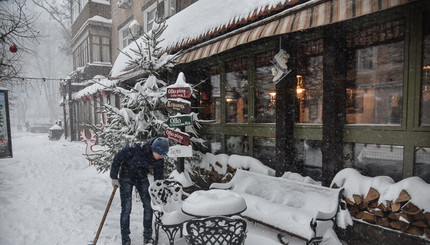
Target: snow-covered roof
x,y
205,19
100,83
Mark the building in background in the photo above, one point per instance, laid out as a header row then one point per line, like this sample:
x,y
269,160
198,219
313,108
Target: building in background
x,y
92,59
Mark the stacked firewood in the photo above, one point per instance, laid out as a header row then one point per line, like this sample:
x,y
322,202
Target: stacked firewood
x,y
203,177
400,214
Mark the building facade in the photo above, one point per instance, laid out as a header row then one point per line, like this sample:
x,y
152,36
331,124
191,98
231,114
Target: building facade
x,y
356,94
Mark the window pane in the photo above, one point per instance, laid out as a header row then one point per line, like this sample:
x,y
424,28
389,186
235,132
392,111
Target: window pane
x,y
236,145
375,160
105,40
422,163
310,82
96,49
265,151
237,92
213,143
308,153
374,86
425,78
265,89
210,103
105,53
150,19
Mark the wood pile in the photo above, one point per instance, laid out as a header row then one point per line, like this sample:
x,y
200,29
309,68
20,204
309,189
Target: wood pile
x,y
203,177
400,214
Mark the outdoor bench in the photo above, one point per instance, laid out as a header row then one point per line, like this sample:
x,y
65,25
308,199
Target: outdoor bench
x,y
299,209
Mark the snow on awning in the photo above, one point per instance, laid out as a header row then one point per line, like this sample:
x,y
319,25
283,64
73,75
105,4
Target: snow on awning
x,y
308,15
100,83
196,23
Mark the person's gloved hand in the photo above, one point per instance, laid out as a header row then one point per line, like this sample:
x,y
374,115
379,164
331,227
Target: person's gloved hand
x,y
115,182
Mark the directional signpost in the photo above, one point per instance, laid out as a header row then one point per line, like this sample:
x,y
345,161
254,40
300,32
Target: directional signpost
x,y
176,105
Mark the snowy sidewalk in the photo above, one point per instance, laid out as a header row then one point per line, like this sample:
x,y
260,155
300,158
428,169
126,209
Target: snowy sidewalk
x,y
49,195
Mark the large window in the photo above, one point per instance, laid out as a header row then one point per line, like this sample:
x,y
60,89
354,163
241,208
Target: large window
x,y
167,8
425,77
149,15
376,160
374,89
101,49
422,163
237,91
80,55
77,6
309,155
210,102
125,37
265,91
265,150
236,144
309,82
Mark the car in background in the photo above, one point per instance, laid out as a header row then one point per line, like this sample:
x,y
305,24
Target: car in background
x,y
40,128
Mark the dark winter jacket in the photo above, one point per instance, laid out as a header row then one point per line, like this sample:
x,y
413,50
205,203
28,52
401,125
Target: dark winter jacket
x,y
133,162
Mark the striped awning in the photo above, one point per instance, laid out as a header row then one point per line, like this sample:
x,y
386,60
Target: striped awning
x,y
309,15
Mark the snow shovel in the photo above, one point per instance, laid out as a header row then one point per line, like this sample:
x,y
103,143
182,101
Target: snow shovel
x,y
104,216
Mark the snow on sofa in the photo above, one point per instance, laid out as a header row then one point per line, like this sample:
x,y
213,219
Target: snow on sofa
x,y
299,209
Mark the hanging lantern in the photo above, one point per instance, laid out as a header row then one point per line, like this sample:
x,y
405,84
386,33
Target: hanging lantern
x,y
13,48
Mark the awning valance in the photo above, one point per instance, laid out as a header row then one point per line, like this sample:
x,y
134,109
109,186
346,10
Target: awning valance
x,y
309,15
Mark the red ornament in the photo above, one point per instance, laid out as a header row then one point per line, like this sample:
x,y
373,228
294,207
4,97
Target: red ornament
x,y
13,48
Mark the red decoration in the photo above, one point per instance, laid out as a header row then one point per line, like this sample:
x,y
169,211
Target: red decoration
x,y
13,48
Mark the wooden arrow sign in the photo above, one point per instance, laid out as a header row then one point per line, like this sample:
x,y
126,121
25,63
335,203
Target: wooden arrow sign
x,y
177,136
184,92
180,121
180,151
178,106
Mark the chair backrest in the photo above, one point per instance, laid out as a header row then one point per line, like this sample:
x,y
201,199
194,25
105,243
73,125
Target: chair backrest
x,y
216,230
166,194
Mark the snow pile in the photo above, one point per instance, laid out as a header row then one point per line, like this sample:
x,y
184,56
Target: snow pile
x,y
297,177
355,183
213,202
235,161
182,178
180,82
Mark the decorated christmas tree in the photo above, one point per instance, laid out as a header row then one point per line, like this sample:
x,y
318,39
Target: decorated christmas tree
x,y
143,114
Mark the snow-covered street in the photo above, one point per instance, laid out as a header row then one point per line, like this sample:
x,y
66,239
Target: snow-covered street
x,y
49,195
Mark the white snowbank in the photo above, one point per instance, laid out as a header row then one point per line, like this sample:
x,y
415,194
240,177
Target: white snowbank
x,y
213,202
355,183
182,178
235,161
298,177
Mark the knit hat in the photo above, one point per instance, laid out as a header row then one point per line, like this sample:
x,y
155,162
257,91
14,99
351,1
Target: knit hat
x,y
160,146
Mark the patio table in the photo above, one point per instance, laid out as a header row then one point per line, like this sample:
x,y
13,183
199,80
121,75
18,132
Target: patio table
x,y
213,202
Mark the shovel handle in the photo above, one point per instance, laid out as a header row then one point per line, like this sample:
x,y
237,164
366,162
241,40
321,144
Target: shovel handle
x,y
104,216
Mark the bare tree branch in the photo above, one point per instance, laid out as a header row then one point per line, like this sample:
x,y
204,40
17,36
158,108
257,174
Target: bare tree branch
x,y
16,28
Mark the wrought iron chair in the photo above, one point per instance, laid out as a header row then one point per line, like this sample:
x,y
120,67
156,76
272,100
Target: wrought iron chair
x,y
216,230
166,200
